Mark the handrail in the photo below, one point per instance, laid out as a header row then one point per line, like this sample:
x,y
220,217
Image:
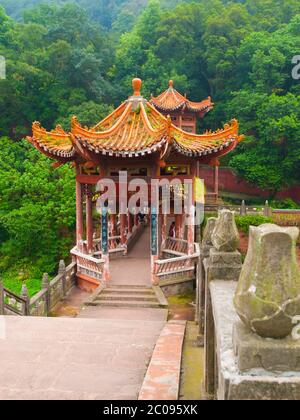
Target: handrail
x,y
18,299
177,264
79,254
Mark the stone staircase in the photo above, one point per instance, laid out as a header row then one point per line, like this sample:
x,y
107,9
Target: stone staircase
x,y
121,296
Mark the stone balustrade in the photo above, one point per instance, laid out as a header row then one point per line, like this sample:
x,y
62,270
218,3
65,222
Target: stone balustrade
x,y
252,340
41,304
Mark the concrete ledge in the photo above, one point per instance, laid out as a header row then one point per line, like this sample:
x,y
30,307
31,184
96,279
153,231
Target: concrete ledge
x,y
86,283
162,380
163,303
177,286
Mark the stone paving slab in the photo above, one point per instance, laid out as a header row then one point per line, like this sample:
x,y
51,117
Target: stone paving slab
x,y
163,376
65,358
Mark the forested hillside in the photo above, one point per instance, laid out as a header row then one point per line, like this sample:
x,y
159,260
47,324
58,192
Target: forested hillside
x,y
65,58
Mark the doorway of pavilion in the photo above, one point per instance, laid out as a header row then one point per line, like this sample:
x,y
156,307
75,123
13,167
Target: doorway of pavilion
x,y
103,238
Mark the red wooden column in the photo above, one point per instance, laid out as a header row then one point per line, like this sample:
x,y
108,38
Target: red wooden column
x,y
123,218
89,220
129,223
191,230
113,229
154,244
217,180
105,245
179,219
79,215
164,232
136,218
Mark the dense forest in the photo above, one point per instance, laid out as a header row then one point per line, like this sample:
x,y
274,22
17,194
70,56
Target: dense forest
x,y
78,57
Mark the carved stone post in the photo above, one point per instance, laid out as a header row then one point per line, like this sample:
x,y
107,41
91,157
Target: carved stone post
x,y
25,296
202,287
268,293
1,298
267,301
267,210
243,211
45,286
62,273
225,262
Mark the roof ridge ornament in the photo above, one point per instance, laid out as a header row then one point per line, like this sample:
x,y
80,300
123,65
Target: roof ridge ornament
x,y
137,86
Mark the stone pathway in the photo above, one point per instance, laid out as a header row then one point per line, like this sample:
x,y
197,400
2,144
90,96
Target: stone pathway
x,y
104,353
63,358
135,268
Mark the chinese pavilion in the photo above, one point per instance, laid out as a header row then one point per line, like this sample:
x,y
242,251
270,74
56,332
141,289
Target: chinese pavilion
x,y
140,140
183,112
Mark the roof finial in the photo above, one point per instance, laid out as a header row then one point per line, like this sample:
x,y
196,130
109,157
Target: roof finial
x,y
137,86
171,84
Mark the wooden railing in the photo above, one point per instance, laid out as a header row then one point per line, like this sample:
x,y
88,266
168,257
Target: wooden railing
x,y
176,246
178,264
88,265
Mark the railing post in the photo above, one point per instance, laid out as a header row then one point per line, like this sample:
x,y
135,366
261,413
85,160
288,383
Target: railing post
x,y
1,298
243,211
45,286
267,210
63,274
25,296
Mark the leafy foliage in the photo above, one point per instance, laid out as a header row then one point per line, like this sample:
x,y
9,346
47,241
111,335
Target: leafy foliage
x,y
244,222
67,57
37,211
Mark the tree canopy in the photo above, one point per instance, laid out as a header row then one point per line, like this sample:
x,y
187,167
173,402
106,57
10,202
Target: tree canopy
x,y
78,57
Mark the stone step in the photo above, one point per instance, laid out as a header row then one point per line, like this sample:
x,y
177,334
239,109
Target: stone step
x,y
124,286
129,297
149,292
125,304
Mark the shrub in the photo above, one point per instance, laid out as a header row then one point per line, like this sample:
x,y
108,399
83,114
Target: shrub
x,y
244,222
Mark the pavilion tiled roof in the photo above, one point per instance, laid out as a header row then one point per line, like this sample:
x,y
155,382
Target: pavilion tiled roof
x,y
134,129
171,100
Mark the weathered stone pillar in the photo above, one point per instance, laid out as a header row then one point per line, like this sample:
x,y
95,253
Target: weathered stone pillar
x,y
62,273
25,296
89,220
267,210
1,298
268,294
45,286
202,287
207,244
243,210
225,262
